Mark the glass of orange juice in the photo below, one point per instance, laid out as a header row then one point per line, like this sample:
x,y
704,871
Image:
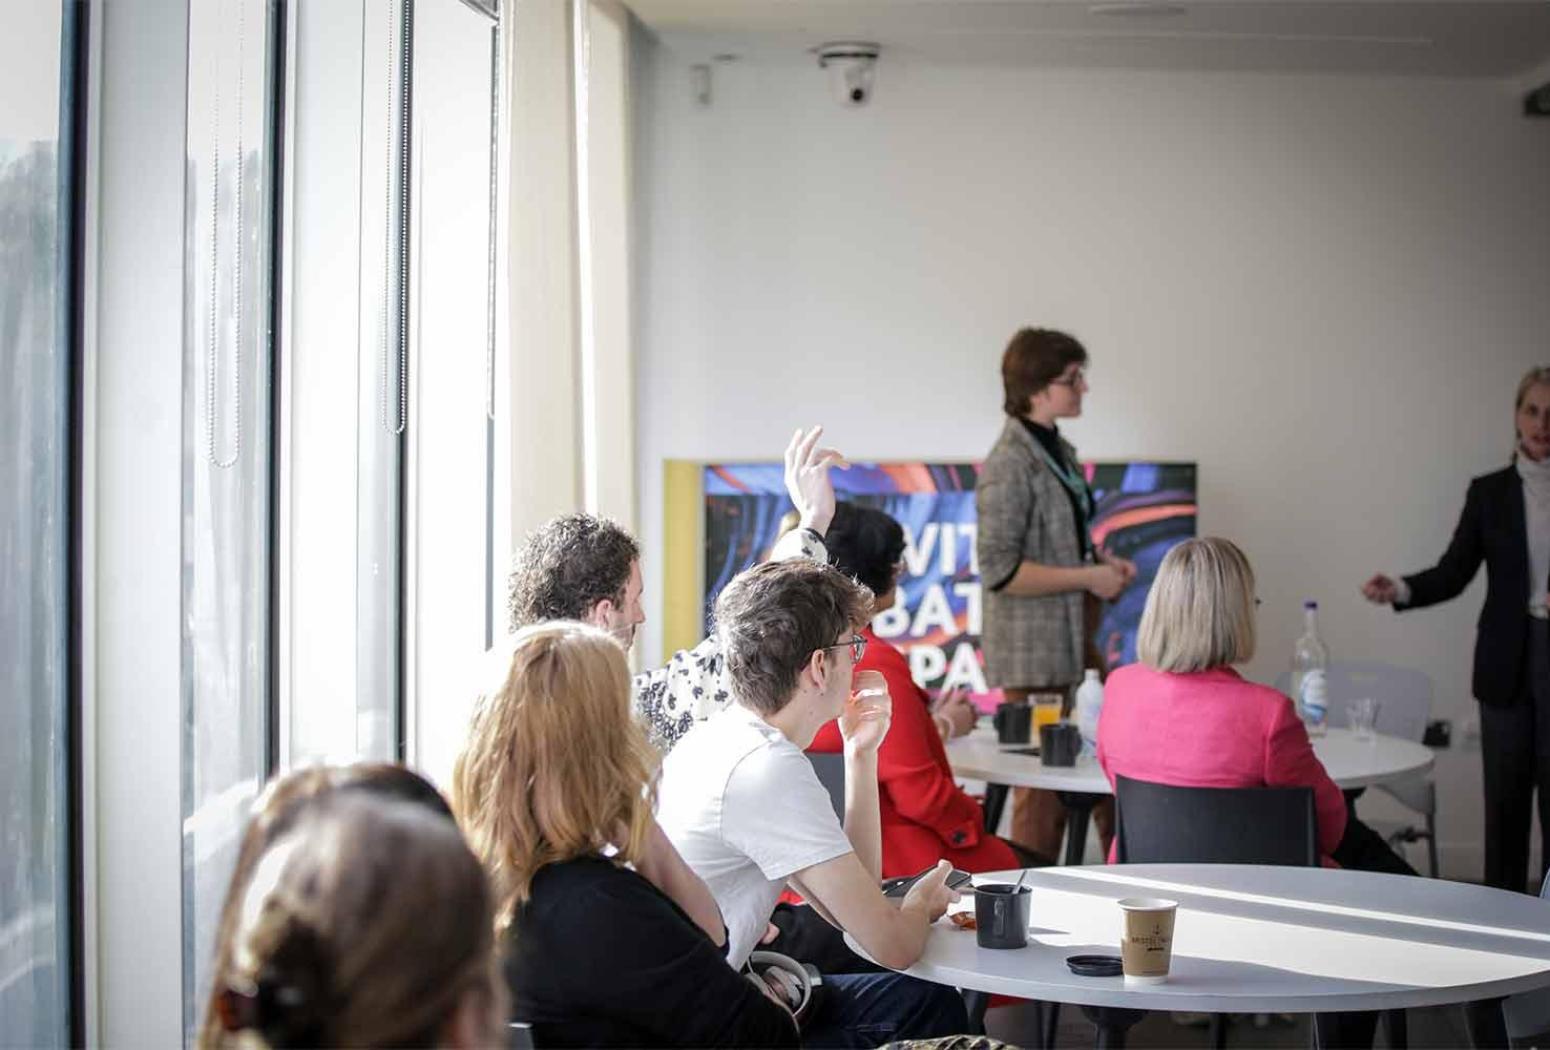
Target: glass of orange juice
x,y
1046,709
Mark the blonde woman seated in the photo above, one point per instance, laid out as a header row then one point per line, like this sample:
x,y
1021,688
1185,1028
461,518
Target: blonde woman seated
x,y
365,924
611,940
1182,716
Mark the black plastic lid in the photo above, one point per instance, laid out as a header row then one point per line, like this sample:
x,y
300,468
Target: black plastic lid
x,y
1095,965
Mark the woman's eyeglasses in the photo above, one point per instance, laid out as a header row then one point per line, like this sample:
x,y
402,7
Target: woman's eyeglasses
x,y
857,647
1072,380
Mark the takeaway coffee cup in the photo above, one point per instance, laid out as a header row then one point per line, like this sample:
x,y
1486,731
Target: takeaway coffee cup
x,y
1147,946
1059,744
1001,915
1013,721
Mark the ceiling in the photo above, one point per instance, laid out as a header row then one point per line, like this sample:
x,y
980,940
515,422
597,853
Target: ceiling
x,y
1456,38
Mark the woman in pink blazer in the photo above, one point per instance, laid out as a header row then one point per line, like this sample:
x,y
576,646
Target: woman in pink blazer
x,y
1183,716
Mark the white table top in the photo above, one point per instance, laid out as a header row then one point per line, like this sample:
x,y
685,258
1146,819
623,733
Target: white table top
x,y
1351,763
1252,939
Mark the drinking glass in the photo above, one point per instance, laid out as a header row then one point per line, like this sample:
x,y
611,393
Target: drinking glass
x,y
1362,713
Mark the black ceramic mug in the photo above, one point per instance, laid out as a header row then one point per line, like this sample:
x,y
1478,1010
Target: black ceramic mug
x,y
1013,721
1059,744
1001,915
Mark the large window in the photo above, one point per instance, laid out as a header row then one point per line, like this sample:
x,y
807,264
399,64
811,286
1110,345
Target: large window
x,y
36,74
227,457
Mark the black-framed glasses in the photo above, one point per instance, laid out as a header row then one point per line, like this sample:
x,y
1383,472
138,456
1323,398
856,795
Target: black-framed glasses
x,y
857,647
1079,376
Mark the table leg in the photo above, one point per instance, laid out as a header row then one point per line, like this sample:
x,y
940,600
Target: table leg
x,y
1397,1030
1079,810
975,1002
1112,1023
1487,1027
995,802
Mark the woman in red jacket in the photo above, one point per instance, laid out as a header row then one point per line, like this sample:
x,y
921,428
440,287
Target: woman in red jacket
x,y
925,815
1183,716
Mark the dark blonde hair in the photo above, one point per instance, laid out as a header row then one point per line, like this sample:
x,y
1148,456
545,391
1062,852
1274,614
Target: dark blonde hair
x,y
366,924
555,765
275,811
1200,611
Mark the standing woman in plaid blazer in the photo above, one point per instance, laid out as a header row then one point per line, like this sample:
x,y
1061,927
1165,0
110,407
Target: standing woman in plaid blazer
x,y
1042,578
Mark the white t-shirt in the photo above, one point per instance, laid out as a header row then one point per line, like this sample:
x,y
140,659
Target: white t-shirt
x,y
743,806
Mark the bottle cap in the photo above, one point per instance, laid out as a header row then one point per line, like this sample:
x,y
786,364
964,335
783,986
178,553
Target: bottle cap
x,y
1309,603
1092,674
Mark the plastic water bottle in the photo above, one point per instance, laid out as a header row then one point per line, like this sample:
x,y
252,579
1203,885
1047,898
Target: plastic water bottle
x,y
1310,672
1089,702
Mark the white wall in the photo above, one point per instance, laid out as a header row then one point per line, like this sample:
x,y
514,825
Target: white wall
x,y
1321,289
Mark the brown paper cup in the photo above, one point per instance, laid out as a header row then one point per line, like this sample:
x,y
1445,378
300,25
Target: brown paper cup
x,y
1146,948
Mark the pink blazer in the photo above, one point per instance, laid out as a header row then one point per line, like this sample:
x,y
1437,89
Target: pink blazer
x,y
1212,729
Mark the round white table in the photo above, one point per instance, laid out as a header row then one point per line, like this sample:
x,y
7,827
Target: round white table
x,y
1255,939
1350,762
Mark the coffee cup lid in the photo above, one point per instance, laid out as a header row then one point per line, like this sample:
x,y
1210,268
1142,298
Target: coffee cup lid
x,y
1148,904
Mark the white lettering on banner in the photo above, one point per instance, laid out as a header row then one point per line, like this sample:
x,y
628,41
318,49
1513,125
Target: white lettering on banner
x,y
933,611
970,593
926,663
947,547
891,622
971,530
965,670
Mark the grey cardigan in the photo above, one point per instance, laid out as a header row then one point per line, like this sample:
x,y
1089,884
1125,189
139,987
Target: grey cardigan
x,y
1025,515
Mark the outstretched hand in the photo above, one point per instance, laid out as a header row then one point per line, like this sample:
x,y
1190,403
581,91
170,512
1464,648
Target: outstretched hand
x,y
807,478
1380,589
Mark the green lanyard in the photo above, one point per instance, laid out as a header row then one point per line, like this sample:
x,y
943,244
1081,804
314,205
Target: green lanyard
x,y
1077,485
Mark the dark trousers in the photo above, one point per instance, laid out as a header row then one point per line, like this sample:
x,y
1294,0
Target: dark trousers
x,y
869,1009
1515,754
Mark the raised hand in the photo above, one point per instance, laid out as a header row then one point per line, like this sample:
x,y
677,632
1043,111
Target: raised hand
x,y
807,478
1380,589
868,712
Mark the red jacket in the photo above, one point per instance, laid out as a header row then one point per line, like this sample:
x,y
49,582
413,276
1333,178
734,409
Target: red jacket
x,y
925,815
1212,729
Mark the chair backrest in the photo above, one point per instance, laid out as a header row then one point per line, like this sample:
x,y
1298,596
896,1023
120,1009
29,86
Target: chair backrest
x,y
1404,696
830,767
1162,824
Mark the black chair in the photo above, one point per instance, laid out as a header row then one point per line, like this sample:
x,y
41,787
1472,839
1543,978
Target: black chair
x,y
830,767
1161,824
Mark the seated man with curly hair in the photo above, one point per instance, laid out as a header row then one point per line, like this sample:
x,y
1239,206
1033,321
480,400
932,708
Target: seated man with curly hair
x,y
583,567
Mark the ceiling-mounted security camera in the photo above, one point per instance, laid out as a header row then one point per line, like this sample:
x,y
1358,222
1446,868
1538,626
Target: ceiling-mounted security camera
x,y
852,66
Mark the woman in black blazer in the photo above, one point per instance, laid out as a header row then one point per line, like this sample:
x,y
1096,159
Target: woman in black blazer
x,y
1506,524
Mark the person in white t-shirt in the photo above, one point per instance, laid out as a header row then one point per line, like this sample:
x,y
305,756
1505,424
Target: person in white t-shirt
x,y
744,808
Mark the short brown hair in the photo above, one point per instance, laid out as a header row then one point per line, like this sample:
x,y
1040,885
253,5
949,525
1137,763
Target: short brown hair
x,y
1200,611
1034,358
366,924
555,762
771,618
566,567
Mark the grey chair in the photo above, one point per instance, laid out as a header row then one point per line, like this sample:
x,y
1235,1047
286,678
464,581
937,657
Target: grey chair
x,y
519,1036
1527,1014
830,767
1162,824
1404,698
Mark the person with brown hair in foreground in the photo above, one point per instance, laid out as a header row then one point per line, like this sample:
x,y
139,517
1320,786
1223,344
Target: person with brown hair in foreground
x,y
275,811
366,924
611,940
